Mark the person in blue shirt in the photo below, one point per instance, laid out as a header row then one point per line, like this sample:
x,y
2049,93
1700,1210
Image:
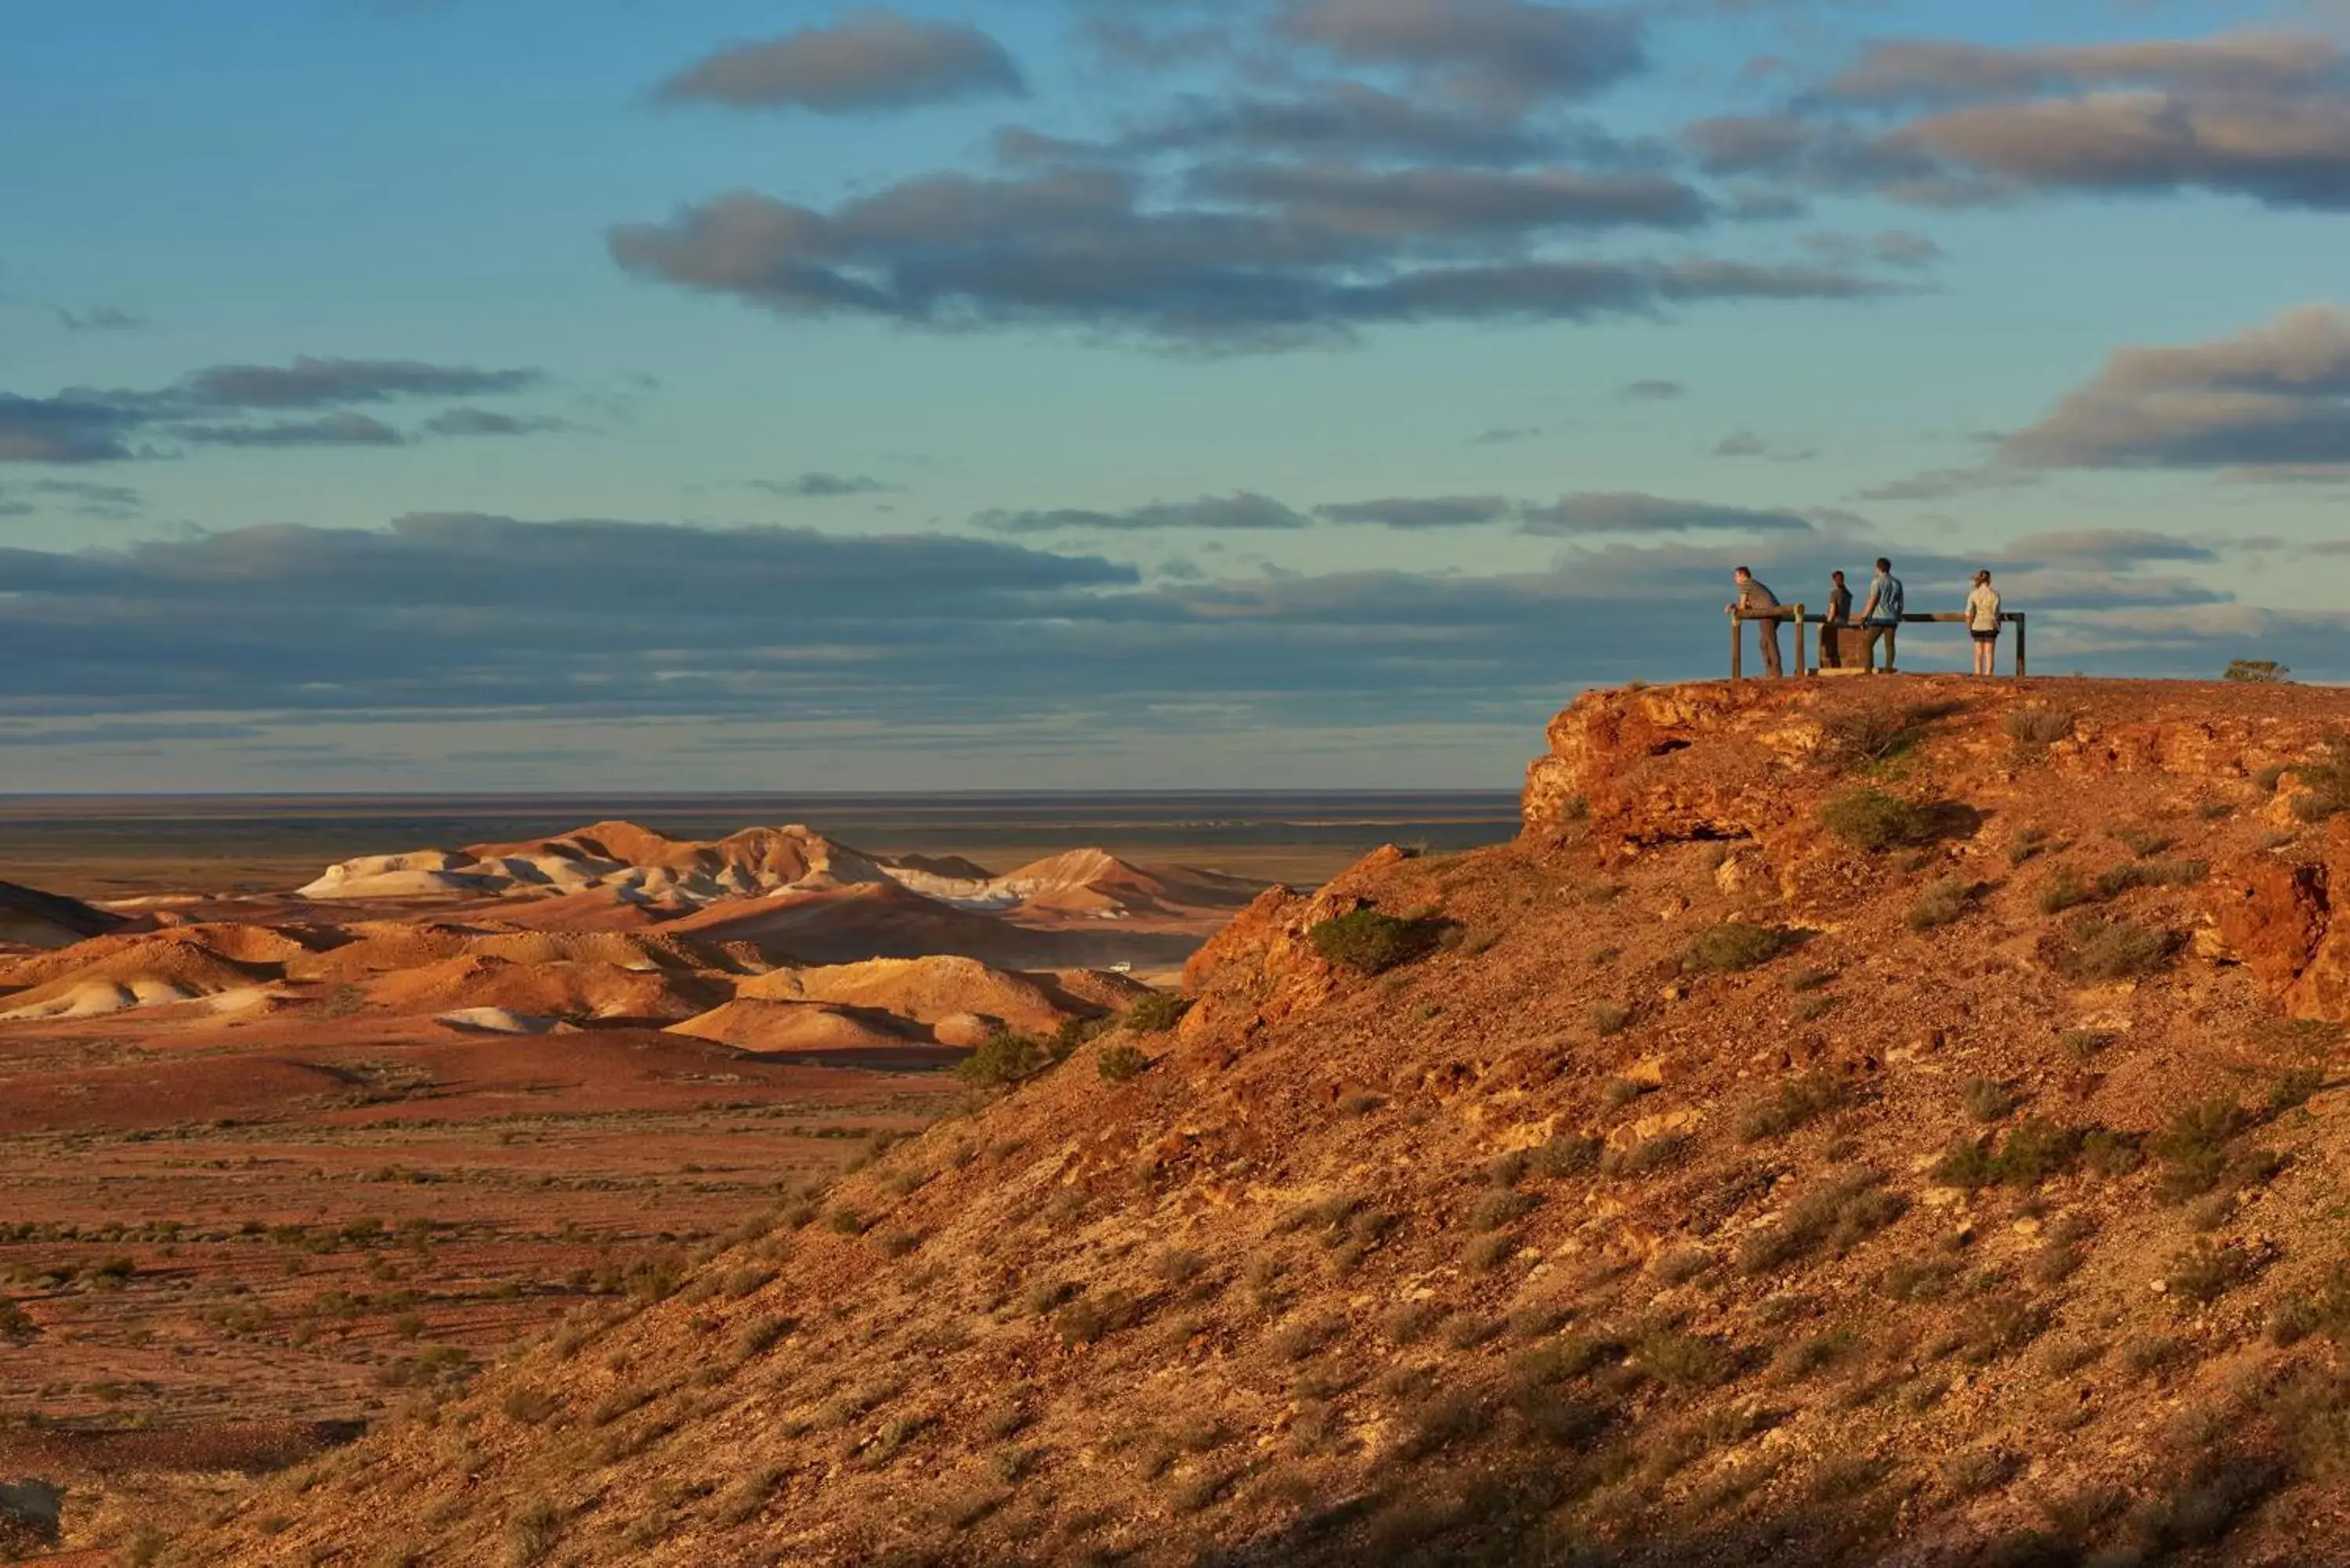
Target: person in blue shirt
x,y
1881,617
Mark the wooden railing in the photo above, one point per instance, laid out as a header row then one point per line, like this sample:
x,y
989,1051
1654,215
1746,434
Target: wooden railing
x,y
1799,615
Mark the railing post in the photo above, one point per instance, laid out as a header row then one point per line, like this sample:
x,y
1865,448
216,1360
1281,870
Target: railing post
x,y
1802,664
2022,654
1737,647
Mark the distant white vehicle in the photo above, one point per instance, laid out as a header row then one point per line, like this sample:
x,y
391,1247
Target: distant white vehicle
x,y
1123,968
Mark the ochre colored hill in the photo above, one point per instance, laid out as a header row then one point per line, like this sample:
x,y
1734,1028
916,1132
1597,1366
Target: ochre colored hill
x,y
1891,1122
29,918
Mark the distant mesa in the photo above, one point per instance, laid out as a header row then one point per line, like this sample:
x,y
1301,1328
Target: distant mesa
x,y
32,918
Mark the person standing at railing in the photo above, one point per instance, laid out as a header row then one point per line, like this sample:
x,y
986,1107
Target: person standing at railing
x,y
1839,617
1881,617
1753,600
1982,624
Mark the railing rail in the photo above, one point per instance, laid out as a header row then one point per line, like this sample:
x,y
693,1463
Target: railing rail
x,y
1802,617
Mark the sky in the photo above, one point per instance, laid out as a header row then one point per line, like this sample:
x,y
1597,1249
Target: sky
x,y
536,395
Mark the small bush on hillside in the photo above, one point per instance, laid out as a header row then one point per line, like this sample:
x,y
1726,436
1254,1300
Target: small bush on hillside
x,y
2028,844
2194,1145
1370,942
1736,945
1873,821
2033,728
1838,1213
1986,1099
2326,783
2145,846
2034,1151
2259,671
2101,947
1609,1019
1874,732
1621,1092
1684,1360
1157,1013
2204,1273
2114,883
1568,1155
531,1530
1944,903
1119,1063
2064,891
1003,1058
1647,1156
1500,1207
1797,1102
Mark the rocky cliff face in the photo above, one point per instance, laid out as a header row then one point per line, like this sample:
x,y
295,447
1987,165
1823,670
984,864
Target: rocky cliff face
x,y
1742,763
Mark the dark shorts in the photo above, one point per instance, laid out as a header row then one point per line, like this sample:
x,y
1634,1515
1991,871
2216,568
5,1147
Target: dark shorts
x,y
1986,636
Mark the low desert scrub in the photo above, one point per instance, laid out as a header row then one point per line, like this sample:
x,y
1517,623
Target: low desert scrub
x,y
2028,844
2064,891
1647,1156
528,1405
2195,1146
531,1530
1007,1058
1157,1013
1677,1265
2326,783
1370,942
1943,904
1797,1103
1121,1063
1438,1424
2033,1151
1809,979
1500,1207
1987,1099
2112,884
1812,1006
1684,1360
1836,1214
1410,1323
1875,822
1489,1251
1468,1330
1736,945
1096,1316
2139,841
2293,1089
1568,1155
1870,734
1608,1019
2094,947
1621,1092
2205,1271
1814,1354
2035,728
1302,1337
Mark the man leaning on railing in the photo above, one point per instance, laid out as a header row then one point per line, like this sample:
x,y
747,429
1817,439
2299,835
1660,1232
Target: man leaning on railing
x,y
1752,599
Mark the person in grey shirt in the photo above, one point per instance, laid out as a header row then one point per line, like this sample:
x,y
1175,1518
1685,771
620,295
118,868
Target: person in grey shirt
x,y
1752,599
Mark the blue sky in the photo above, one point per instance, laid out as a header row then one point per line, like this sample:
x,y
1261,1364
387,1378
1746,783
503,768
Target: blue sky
x,y
1058,393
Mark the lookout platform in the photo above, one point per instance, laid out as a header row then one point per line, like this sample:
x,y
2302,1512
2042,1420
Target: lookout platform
x,y
1840,642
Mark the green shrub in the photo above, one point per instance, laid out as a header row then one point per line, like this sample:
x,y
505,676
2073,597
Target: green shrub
x,y
2203,1273
1609,1019
1120,1062
1568,1154
1684,1360
2326,783
1005,1058
2101,947
1871,820
2027,845
1370,942
2034,1151
2260,672
2037,727
1871,733
1736,945
1797,1102
2064,891
1945,903
1157,1013
1986,1099
1838,1213
1499,1207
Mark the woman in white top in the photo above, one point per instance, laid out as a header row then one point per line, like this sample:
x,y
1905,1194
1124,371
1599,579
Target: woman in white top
x,y
1982,621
